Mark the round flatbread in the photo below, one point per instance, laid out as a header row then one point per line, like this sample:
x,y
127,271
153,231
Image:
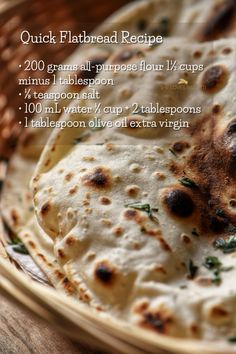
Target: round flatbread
x,y
142,223
123,245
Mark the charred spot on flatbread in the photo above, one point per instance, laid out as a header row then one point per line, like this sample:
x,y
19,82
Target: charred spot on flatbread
x,y
142,24
217,224
134,215
180,146
99,178
231,127
220,21
105,273
69,176
179,203
133,122
213,177
91,74
157,321
218,314
85,74
125,55
45,208
216,109
15,217
214,78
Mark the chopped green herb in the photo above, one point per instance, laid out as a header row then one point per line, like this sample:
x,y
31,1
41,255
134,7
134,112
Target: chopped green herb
x,y
231,229
226,245
220,243
17,245
212,262
153,218
187,182
173,153
216,279
194,232
15,240
144,207
192,269
155,210
226,269
232,339
219,212
20,248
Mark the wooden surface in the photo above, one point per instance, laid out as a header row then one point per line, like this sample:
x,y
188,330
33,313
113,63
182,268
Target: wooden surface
x,y
22,333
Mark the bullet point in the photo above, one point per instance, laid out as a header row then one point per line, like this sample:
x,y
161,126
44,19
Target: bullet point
x,y
20,123
19,65
20,94
20,108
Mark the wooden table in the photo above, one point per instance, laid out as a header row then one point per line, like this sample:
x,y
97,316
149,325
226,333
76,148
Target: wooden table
x,y
22,333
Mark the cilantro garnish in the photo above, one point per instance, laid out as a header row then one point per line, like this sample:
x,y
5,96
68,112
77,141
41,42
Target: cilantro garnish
x,y
226,245
187,182
146,208
192,269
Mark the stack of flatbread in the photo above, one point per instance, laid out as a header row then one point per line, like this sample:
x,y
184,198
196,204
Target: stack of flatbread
x,y
138,221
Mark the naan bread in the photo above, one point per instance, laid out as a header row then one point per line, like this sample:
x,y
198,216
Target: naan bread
x,y
17,210
134,215
127,253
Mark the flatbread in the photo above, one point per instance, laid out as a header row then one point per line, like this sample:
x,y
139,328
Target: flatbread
x,y
17,210
134,217
114,274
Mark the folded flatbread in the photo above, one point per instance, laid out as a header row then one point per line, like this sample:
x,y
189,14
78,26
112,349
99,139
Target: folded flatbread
x,y
142,220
